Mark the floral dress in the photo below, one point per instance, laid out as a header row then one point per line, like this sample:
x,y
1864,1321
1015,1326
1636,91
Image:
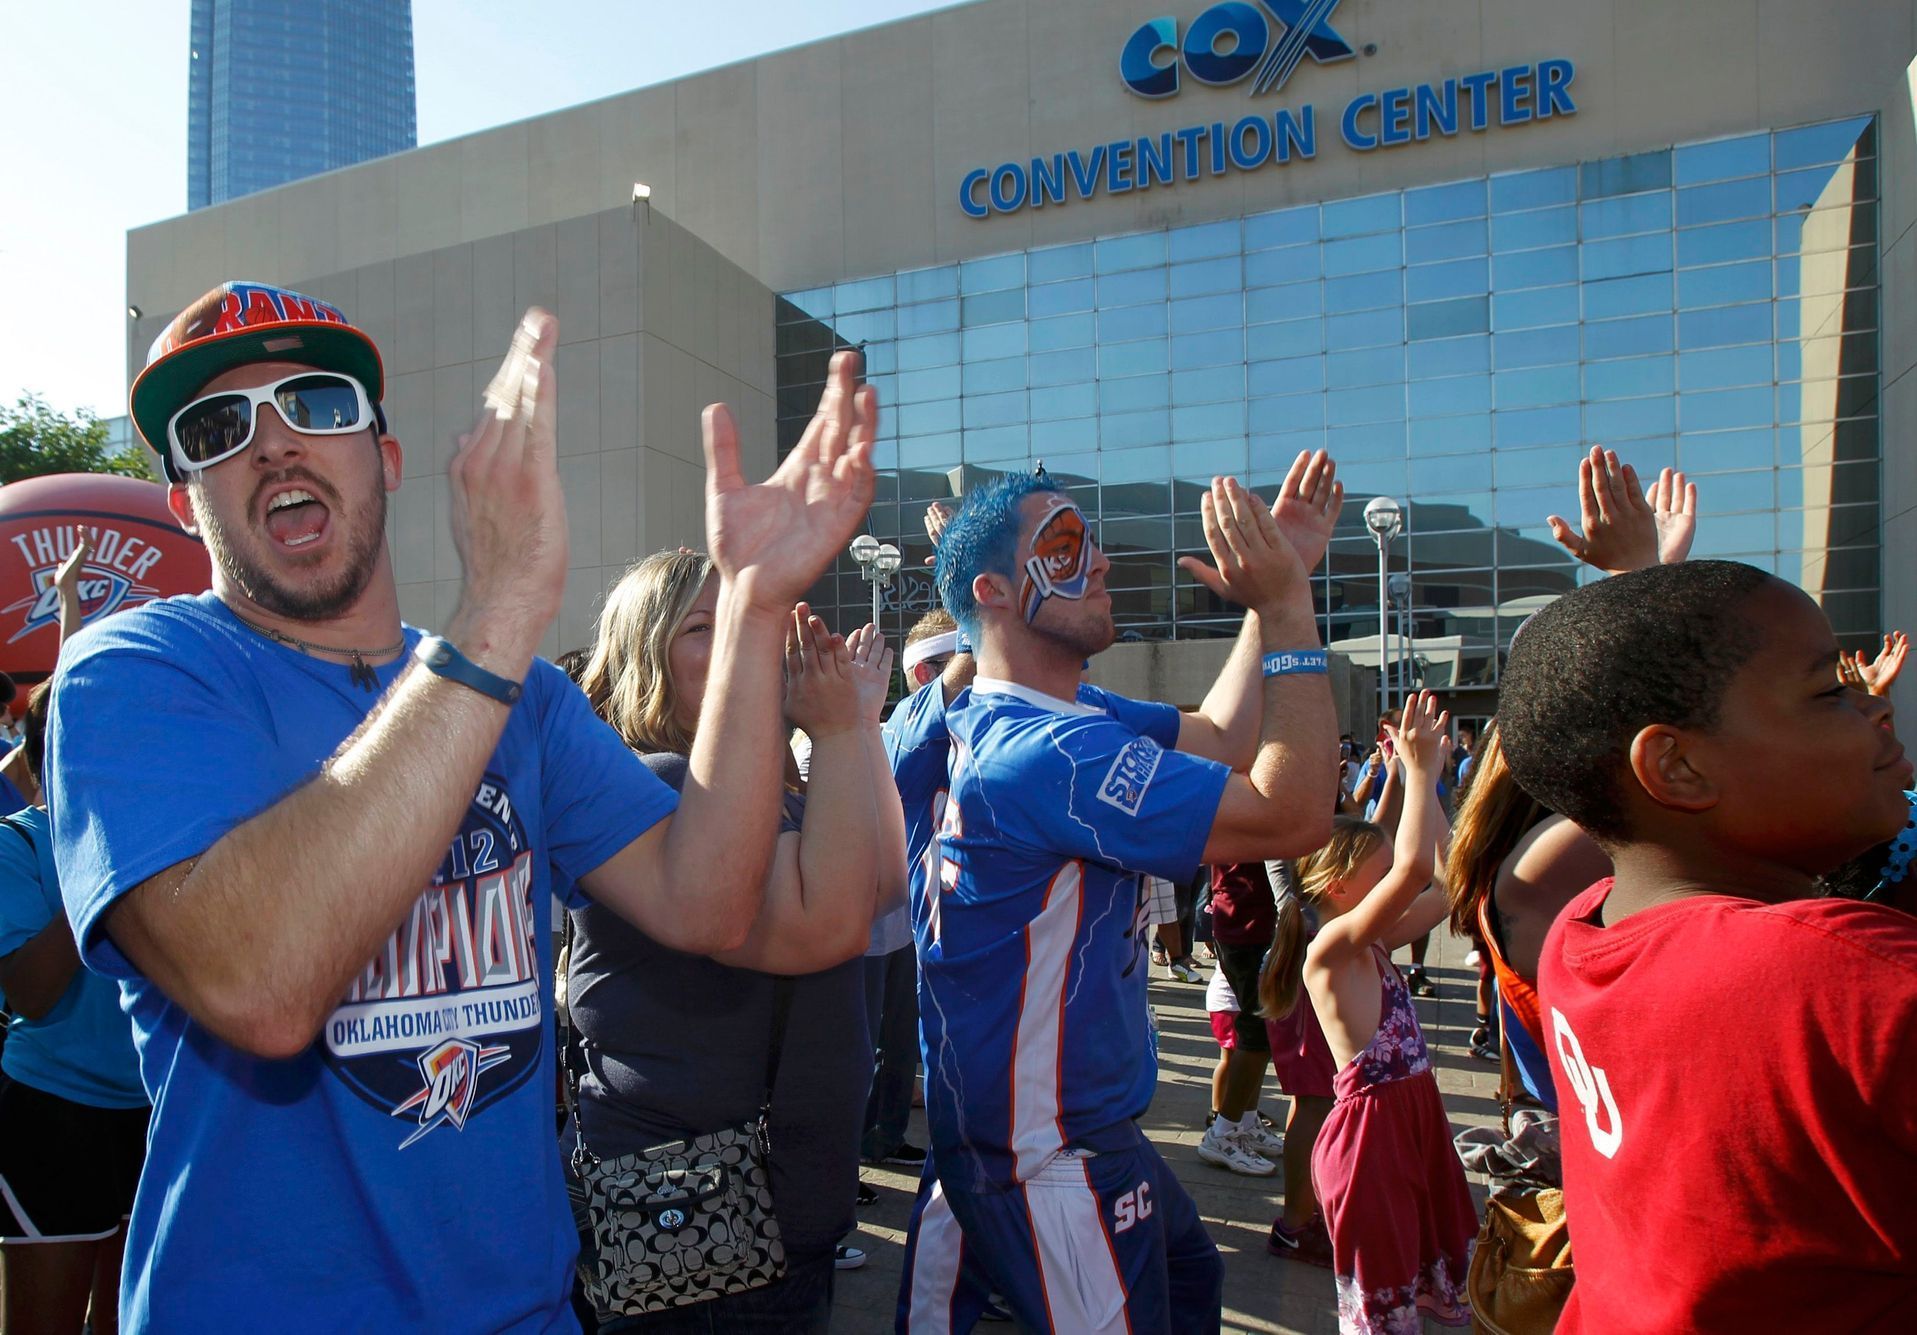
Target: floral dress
x,y
1391,1185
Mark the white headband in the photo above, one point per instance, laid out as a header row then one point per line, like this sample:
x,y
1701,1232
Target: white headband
x,y
946,642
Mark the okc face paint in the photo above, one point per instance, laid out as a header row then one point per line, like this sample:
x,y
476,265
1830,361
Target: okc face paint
x,y
1061,560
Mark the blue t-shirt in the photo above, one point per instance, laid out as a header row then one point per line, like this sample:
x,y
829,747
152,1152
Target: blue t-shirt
x,y
1032,984
11,798
403,1172
82,1049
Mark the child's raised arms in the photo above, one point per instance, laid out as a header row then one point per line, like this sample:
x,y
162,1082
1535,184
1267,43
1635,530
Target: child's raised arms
x,y
1422,742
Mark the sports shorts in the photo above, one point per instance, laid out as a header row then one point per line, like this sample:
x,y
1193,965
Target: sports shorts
x,y
68,1170
1241,966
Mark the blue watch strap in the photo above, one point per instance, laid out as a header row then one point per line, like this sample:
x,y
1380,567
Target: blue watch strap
x,y
442,659
1290,662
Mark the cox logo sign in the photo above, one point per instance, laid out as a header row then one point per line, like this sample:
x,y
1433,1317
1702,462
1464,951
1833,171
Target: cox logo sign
x,y
1262,41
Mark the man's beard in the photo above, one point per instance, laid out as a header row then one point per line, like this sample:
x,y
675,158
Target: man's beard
x,y
316,603
1080,638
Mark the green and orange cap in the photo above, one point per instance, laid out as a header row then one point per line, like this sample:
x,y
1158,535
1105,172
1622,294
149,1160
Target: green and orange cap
x,y
236,324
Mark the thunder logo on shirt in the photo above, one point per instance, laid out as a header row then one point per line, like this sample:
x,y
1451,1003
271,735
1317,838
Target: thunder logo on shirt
x,y
455,993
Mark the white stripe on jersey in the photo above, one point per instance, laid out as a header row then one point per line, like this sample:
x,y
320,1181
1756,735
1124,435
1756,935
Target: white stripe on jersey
x,y
1084,1291
933,1283
1039,1045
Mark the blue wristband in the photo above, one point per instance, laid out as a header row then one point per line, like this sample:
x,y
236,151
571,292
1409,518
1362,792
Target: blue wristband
x,y
442,659
1297,662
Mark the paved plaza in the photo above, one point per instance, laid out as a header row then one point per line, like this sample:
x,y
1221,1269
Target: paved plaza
x,y
1262,1294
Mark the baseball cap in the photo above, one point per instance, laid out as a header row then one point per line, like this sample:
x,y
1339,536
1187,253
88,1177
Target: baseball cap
x,y
237,323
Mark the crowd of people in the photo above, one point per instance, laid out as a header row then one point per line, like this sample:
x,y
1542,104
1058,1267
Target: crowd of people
x,y
368,978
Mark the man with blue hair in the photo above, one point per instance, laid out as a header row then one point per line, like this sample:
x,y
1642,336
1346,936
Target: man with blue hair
x,y
1028,910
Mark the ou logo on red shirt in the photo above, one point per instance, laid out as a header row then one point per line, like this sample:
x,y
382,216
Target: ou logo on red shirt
x,y
1592,1087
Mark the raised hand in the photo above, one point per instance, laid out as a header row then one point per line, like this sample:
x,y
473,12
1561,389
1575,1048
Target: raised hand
x,y
871,669
1422,735
67,577
772,540
1674,509
821,692
1308,506
937,515
1878,674
1257,565
1620,529
509,512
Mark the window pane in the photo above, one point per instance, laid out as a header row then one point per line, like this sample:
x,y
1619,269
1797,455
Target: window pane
x,y
1639,295
1451,356
1723,284
1448,241
1205,240
1534,189
1453,278
1445,319
1290,339
1445,203
1370,366
1534,389
1128,252
1721,203
1266,268
1719,161
1451,395
1629,378
1630,255
1211,349
1823,143
1290,302
1625,215
1723,242
1453,435
1528,231
1367,328
1131,287
926,284
1201,276
1361,291
1060,262
1533,307
1535,347
1058,298
1625,176
1538,426
990,275
1359,254
1286,227
1353,217
1626,418
1536,268
1628,338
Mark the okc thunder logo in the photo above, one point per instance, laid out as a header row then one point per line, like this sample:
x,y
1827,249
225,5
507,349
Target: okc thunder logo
x,y
102,593
450,1073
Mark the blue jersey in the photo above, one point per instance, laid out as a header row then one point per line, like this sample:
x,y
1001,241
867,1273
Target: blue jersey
x,y
919,746
1031,947
402,1172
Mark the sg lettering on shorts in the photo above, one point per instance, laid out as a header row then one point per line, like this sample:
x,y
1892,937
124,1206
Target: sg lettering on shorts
x,y
1135,1206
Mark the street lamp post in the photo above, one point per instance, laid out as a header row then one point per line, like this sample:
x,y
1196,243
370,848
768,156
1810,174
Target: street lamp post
x,y
878,562
1385,519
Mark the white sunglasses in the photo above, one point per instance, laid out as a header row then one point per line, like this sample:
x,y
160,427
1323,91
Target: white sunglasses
x,y
218,426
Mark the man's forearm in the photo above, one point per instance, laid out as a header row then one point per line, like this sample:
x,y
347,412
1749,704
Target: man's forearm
x,y
1298,737
893,876
839,840
1227,726
260,936
719,843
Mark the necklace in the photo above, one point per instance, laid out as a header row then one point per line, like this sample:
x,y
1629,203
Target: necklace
x,y
359,671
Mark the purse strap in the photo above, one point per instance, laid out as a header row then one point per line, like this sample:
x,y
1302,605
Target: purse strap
x,y
783,987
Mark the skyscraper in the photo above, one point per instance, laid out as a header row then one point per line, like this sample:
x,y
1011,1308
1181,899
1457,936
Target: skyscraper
x,y
283,89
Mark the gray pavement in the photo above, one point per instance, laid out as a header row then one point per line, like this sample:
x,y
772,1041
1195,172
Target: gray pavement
x,y
1262,1294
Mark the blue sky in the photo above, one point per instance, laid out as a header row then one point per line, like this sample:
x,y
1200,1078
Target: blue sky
x,y
93,96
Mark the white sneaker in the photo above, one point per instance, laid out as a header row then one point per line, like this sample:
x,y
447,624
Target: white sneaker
x,y
1223,1146
1260,1139
1185,971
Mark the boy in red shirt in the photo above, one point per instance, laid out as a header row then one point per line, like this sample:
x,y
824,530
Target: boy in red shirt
x,y
1736,1062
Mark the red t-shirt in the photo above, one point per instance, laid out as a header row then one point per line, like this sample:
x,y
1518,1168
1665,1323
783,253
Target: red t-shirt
x,y
1738,1088
1243,912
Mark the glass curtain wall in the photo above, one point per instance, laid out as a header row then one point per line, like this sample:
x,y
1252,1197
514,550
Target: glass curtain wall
x,y
1709,306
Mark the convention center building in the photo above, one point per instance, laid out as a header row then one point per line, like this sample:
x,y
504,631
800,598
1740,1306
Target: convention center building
x,y
1143,242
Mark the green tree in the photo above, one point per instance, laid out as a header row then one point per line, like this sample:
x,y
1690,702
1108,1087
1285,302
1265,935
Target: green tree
x,y
36,439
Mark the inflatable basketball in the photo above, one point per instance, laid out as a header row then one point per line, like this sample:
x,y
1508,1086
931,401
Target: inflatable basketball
x,y
139,553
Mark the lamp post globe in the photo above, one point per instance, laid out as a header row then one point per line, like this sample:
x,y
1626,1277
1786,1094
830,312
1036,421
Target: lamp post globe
x,y
865,549
1383,517
888,559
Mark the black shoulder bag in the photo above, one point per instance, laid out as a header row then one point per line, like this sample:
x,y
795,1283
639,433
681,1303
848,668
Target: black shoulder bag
x,y
685,1221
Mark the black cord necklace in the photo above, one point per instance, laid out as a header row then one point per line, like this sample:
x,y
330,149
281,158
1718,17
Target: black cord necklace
x,y
359,671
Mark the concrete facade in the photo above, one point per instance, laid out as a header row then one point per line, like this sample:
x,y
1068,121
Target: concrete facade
x,y
843,159
654,324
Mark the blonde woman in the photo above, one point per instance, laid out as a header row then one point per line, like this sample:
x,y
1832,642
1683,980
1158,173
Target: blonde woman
x,y
675,1044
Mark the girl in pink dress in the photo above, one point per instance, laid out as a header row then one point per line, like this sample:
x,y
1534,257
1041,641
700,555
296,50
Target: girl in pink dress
x,y
1391,1187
